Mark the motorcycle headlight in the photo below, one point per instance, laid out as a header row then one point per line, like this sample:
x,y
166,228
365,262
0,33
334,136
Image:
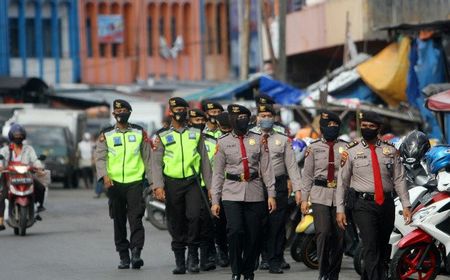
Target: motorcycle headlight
x,y
21,169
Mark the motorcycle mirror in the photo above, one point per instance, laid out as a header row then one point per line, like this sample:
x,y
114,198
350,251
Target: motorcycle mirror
x,y
42,157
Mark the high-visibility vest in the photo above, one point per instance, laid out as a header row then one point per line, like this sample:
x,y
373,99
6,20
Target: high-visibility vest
x,y
124,161
181,152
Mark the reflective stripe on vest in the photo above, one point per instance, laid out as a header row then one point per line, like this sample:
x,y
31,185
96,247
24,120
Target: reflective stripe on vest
x,y
181,152
124,163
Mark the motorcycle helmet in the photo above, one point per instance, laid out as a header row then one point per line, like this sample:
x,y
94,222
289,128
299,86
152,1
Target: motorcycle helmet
x,y
413,148
17,131
438,158
299,147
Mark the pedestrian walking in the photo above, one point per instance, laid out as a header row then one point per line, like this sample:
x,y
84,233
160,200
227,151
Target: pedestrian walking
x,y
212,110
85,160
122,160
242,158
370,171
285,168
179,158
319,181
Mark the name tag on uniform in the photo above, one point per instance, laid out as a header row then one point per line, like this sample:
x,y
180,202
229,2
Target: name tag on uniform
x,y
192,135
170,140
132,138
117,141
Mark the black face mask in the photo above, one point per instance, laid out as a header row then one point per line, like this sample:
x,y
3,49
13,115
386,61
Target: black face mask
x,y
18,140
241,126
330,133
200,126
122,117
369,134
180,116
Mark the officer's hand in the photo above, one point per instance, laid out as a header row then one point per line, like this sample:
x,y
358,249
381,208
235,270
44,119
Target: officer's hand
x,y
305,207
215,209
298,197
159,194
407,215
107,182
272,204
341,220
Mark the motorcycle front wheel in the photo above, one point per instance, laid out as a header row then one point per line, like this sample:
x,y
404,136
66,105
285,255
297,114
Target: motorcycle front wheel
x,y
309,251
405,263
23,215
296,252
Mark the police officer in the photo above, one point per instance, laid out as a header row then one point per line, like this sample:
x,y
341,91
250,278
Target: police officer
x,y
212,110
122,159
370,171
322,160
285,167
264,99
197,119
242,158
179,157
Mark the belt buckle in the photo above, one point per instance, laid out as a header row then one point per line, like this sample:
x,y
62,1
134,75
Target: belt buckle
x,y
243,177
331,184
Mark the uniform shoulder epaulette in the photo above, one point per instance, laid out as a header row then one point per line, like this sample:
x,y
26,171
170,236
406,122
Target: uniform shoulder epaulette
x,y
343,141
164,132
255,132
387,143
223,135
209,136
281,133
136,126
315,141
106,129
352,144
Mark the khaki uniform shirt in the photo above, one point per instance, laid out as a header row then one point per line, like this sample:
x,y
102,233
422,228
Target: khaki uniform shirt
x,y
316,168
228,159
157,162
101,155
357,172
282,157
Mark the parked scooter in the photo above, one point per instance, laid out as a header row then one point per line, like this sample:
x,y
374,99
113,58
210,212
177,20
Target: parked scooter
x,y
420,252
155,210
304,247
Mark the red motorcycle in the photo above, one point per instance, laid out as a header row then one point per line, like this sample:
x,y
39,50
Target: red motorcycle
x,y
19,179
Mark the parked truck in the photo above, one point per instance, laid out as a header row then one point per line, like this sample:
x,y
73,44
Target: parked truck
x,y
54,133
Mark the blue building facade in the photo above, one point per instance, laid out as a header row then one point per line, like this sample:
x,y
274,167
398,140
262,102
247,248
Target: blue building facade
x,y
40,38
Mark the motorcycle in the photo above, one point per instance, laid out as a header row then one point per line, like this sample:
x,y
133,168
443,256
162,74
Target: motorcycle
x,y
420,252
304,247
155,211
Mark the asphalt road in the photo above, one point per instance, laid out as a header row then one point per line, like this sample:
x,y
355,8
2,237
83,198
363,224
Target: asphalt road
x,y
75,241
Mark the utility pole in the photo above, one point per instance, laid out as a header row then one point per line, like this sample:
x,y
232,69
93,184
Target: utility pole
x,y
245,40
266,15
281,67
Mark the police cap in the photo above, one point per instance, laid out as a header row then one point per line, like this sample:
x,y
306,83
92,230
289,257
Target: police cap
x,y
120,103
263,108
211,105
370,116
264,99
328,116
195,113
177,102
236,109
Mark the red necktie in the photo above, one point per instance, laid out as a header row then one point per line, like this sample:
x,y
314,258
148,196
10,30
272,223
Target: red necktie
x,y
244,158
379,194
331,167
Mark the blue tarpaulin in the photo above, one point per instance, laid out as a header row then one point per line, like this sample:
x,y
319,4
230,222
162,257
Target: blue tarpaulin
x,y
358,90
427,66
282,93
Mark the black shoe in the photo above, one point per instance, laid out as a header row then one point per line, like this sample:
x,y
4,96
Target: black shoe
x,y
2,227
124,260
285,265
41,208
236,277
136,261
180,263
264,265
206,262
249,277
222,259
275,270
193,262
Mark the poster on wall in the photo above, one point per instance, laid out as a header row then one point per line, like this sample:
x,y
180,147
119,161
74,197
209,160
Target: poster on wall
x,y
110,28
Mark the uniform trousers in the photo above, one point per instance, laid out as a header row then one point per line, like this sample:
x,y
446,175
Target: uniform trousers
x,y
329,239
276,232
220,230
183,208
375,223
127,202
244,228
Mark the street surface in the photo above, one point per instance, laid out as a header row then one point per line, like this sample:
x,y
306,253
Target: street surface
x,y
75,241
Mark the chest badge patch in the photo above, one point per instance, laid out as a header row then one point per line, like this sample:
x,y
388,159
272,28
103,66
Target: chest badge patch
x,y
341,150
117,141
386,151
132,138
192,135
170,139
252,141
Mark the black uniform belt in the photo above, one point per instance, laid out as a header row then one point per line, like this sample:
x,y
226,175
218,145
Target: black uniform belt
x,y
371,196
240,178
324,183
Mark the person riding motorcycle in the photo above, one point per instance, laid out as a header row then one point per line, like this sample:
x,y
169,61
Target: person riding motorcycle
x,y
16,151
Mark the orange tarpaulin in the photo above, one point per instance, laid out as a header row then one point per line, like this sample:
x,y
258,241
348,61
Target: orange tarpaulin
x,y
386,72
